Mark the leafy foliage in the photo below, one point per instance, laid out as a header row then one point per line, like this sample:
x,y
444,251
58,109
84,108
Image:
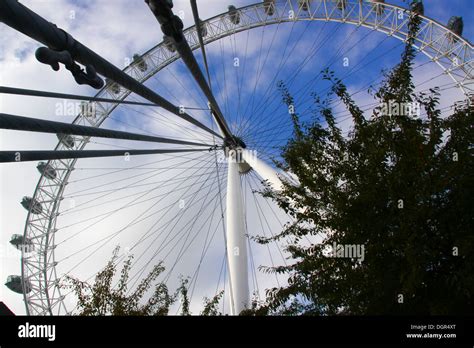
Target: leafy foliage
x,y
211,306
401,186
102,298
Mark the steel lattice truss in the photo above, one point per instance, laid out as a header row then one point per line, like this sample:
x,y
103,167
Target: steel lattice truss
x,y
451,52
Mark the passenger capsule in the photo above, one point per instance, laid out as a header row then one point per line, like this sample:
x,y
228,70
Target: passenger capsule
x,y
169,44
234,15
304,4
19,242
113,86
140,63
341,4
15,284
89,110
66,139
203,28
417,7
379,8
269,6
456,25
32,205
47,170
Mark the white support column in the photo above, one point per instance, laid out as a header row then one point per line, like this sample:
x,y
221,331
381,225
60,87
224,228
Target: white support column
x,y
236,239
265,171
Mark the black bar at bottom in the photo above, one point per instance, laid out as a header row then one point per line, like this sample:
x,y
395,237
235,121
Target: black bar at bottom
x,y
289,331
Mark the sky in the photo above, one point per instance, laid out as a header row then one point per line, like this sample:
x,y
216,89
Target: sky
x,y
179,196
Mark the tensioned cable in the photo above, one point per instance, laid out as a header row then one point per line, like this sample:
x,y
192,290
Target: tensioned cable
x,y
308,110
313,80
193,280
135,184
174,157
54,95
206,246
258,64
302,64
110,236
165,241
346,115
253,272
146,235
260,68
258,210
240,81
165,122
131,224
25,156
14,122
135,222
95,199
315,47
253,178
192,227
123,207
113,235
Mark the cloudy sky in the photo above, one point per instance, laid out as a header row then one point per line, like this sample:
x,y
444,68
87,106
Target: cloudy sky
x,y
169,208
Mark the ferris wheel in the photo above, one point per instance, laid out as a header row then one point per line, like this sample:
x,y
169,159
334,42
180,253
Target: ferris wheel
x,y
208,97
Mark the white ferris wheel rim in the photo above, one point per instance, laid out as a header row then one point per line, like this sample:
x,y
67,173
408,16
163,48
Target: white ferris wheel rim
x,y
434,40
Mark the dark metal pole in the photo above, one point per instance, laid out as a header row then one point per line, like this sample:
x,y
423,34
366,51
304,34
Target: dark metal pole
x,y
172,27
25,156
45,94
43,126
22,19
197,22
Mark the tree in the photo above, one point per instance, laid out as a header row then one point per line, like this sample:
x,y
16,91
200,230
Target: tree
x,y
102,298
399,186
